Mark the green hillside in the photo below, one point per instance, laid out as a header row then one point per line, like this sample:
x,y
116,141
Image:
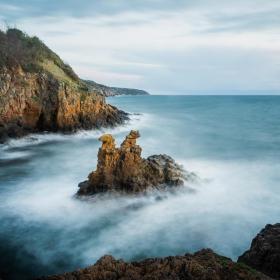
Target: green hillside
x,y
32,55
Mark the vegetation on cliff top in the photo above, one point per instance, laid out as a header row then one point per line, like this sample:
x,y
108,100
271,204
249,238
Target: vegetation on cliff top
x,y
39,92
17,49
32,55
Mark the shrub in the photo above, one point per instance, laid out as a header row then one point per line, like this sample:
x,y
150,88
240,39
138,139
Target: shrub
x,y
19,49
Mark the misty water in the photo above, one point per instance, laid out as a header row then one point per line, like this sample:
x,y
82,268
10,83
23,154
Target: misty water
x,y
231,143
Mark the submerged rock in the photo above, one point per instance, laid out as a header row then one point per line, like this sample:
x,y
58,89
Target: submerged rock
x,y
204,264
124,170
264,253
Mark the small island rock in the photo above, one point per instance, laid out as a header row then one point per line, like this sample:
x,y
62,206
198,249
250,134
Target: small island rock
x,y
124,170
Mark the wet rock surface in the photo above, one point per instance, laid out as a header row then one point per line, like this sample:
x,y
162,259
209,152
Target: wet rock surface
x,y
204,264
123,169
264,253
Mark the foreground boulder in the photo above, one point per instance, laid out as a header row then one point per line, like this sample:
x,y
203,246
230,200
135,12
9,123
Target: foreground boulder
x,y
124,170
264,254
39,92
204,264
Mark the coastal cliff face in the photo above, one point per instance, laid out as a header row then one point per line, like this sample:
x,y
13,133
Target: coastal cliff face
x,y
124,170
204,264
264,253
33,102
38,92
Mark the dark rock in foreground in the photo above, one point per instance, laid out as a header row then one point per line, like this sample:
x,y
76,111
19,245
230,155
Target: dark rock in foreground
x,y
264,254
204,264
124,170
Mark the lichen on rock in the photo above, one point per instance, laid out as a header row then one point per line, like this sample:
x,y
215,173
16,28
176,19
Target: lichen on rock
x,y
122,169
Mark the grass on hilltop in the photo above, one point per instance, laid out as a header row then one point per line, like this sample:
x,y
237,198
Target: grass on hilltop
x,y
32,55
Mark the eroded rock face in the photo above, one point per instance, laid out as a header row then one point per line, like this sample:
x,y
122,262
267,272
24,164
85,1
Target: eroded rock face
x,y
124,170
204,264
33,102
264,254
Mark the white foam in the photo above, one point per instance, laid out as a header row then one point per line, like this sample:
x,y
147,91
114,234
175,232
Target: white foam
x,y
136,121
223,213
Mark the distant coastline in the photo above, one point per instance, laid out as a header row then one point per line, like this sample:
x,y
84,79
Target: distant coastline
x,y
113,91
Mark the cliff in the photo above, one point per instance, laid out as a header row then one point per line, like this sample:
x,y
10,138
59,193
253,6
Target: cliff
x,y
39,92
112,91
124,170
204,264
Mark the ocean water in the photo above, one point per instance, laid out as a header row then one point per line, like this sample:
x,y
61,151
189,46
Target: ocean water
x,y
231,142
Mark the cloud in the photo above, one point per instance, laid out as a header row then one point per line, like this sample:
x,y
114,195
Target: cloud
x,y
162,45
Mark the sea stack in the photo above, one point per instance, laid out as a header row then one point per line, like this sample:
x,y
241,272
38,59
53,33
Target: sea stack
x,y
124,170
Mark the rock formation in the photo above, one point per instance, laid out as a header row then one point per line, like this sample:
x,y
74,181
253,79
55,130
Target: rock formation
x,y
264,253
33,102
124,170
38,92
204,264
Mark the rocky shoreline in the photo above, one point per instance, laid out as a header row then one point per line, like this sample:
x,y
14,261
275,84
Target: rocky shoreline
x,y
37,102
123,170
204,264
39,92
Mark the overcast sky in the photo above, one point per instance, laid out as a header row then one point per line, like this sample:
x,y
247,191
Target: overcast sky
x,y
164,46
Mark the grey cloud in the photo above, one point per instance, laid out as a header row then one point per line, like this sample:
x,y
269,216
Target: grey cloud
x,y
247,21
209,69
201,68
240,18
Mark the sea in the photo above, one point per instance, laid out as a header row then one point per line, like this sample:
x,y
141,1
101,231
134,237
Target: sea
x,y
232,144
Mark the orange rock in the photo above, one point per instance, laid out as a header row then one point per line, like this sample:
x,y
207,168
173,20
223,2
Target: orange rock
x,y
33,102
124,170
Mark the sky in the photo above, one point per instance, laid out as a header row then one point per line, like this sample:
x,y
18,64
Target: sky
x,y
163,46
